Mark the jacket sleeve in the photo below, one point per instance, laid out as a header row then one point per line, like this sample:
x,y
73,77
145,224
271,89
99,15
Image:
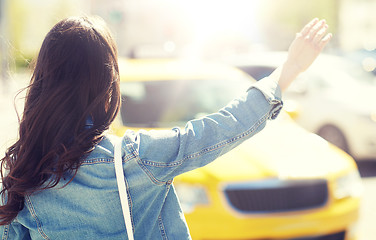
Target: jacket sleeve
x,y
164,154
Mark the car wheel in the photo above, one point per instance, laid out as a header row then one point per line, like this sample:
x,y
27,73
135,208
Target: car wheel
x,y
334,135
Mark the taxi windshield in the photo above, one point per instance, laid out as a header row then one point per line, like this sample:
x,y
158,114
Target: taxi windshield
x,y
169,103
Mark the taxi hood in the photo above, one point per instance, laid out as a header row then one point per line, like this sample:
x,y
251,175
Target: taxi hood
x,y
283,150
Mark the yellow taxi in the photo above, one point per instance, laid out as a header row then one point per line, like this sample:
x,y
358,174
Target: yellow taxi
x,y
284,183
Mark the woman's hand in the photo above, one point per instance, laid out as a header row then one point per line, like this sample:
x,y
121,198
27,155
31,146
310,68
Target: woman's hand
x,y
306,46
308,43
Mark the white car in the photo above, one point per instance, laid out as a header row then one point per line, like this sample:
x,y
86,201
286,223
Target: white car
x,y
335,99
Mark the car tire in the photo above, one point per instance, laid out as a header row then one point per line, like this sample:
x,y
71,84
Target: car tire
x,y
335,136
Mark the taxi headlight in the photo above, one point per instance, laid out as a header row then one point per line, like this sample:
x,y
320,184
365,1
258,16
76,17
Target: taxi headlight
x,y
190,196
349,185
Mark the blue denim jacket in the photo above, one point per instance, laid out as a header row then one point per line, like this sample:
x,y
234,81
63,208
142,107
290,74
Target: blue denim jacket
x,y
89,206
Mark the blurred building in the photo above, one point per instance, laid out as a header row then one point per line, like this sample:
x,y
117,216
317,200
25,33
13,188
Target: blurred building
x,y
28,22
144,25
207,27
178,27
358,25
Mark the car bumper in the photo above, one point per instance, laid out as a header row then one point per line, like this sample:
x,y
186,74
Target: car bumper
x,y
211,223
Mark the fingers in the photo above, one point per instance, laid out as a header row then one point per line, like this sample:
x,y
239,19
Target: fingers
x,y
318,27
325,40
319,36
307,28
315,32
308,44
319,33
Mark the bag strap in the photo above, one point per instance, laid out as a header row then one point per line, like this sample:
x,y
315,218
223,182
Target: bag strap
x,y
119,171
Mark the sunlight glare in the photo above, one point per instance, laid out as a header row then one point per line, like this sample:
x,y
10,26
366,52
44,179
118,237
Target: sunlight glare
x,y
213,19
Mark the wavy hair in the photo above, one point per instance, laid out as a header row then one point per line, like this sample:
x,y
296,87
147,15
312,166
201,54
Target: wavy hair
x,y
75,79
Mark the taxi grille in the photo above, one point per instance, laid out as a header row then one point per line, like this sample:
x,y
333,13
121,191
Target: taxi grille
x,y
334,236
277,195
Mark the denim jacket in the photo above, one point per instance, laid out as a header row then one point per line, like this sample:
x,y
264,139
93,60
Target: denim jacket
x,y
89,206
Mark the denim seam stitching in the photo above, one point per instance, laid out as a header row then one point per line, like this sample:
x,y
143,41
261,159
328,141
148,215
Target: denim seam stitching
x,y
130,146
226,142
34,215
208,149
104,160
150,174
6,232
162,227
97,160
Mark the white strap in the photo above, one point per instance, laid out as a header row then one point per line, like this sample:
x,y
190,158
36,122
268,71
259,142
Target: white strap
x,y
119,171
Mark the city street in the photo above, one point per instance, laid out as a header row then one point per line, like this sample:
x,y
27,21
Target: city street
x,y
289,184
9,123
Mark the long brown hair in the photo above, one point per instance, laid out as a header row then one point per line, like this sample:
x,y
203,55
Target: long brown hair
x,y
76,79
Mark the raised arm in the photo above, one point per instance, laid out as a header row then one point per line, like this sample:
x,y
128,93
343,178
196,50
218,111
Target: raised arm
x,y
307,45
166,154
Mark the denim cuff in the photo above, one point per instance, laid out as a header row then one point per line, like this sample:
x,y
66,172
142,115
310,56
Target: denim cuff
x,y
272,92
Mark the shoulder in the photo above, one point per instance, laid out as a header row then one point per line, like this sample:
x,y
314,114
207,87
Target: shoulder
x,y
150,137
104,150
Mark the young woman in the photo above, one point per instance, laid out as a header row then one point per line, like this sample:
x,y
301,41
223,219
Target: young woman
x,y
59,180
